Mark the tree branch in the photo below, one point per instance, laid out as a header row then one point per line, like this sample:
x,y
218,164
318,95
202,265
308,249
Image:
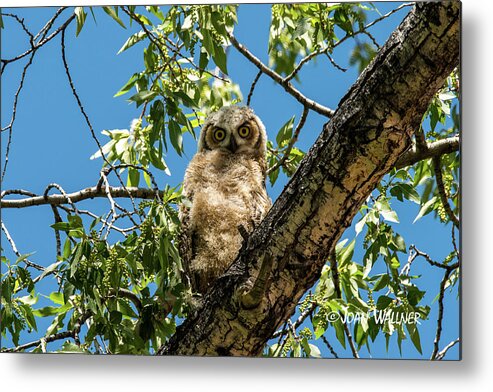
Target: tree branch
x,y
433,149
84,194
288,87
372,127
57,336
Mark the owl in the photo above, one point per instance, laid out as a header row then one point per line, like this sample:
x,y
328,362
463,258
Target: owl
x,y
225,193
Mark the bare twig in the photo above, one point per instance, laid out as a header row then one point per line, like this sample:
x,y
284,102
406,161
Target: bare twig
x,y
155,187
123,231
301,318
39,44
112,213
252,88
288,87
91,129
14,112
332,61
16,251
21,22
454,243
329,346
292,142
432,262
62,191
391,12
328,49
372,38
46,28
438,334
442,353
449,268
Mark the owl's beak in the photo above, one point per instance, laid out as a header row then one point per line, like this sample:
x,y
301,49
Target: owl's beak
x,y
232,145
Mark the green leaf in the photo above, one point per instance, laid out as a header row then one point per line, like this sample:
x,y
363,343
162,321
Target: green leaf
x,y
219,57
67,249
346,254
143,96
203,60
400,243
23,257
28,299
285,133
46,311
61,226
49,269
187,23
115,317
383,282
125,308
425,208
127,86
175,136
28,314
57,298
408,192
390,216
80,16
315,351
69,347
273,175
132,40
133,177
414,334
156,159
341,337
359,226
113,12
383,302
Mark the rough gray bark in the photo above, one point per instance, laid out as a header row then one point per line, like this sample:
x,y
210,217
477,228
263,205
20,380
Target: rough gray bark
x,y
368,133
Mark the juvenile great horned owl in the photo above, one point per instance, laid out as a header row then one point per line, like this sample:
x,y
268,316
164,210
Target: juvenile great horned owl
x,y
225,184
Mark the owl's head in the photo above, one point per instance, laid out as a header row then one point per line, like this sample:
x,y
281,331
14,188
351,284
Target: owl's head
x,y
234,130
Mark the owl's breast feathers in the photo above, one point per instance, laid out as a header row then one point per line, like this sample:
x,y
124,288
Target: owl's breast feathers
x,y
225,191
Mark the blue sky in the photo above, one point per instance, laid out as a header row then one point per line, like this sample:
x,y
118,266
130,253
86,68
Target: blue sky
x,y
51,142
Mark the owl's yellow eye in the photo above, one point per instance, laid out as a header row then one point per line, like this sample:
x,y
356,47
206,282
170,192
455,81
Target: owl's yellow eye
x,y
244,131
219,134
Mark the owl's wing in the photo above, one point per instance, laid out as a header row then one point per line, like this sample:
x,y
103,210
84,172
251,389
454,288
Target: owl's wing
x,y
261,206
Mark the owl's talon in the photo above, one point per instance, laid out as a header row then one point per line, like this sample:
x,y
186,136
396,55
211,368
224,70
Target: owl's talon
x,y
251,294
243,232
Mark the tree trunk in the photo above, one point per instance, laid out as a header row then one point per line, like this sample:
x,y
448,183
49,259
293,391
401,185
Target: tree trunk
x,y
372,127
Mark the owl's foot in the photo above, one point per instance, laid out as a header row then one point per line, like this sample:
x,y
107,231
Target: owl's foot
x,y
195,303
251,294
